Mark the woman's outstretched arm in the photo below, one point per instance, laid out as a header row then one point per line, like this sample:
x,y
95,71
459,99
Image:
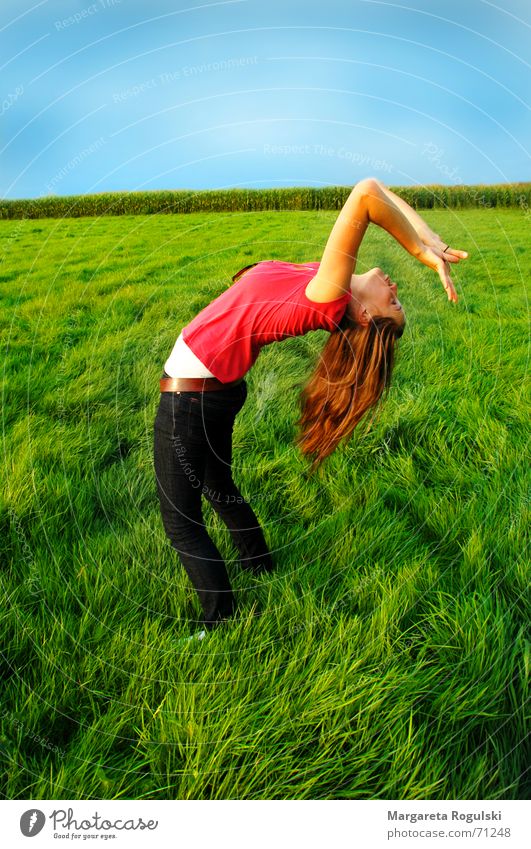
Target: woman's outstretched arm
x,y
339,256
421,228
386,213
369,203
424,231
366,203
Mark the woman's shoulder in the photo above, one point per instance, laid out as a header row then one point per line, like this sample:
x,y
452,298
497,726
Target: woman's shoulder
x,y
286,265
270,269
311,264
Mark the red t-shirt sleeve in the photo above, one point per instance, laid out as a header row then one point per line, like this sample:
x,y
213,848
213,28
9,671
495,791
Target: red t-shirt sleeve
x,y
331,312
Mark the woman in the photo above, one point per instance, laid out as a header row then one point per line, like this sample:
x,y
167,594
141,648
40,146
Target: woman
x,y
203,386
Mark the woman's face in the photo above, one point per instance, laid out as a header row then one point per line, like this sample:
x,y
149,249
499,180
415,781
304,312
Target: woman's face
x,y
375,293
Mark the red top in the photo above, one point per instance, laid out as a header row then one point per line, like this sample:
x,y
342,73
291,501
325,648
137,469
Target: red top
x,y
267,304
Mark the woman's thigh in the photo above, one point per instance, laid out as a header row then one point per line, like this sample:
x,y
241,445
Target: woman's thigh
x,y
193,437
216,423
179,458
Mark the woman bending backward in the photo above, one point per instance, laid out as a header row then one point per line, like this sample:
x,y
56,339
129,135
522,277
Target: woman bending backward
x,y
203,386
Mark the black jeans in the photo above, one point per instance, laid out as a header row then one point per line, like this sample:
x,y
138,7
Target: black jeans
x,y
193,457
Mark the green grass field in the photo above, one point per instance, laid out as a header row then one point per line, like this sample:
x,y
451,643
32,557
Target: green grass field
x,y
389,660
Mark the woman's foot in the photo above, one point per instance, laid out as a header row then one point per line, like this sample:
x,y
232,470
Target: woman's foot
x,y
197,636
262,566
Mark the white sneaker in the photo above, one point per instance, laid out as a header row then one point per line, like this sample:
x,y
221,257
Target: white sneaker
x,y
198,636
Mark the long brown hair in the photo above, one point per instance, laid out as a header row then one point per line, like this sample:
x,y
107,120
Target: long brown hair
x,y
240,272
353,371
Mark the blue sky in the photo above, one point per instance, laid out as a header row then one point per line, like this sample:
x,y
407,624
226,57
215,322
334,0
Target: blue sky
x,y
128,95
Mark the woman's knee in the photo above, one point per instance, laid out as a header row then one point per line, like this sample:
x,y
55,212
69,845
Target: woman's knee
x,y
220,490
180,529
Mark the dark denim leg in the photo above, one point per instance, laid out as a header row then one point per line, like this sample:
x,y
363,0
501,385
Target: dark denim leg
x,y
224,496
179,459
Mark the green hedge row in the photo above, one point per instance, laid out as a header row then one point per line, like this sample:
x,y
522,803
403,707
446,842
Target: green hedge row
x,y
250,200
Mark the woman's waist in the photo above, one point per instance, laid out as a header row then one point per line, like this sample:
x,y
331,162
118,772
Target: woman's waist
x,y
183,362
196,384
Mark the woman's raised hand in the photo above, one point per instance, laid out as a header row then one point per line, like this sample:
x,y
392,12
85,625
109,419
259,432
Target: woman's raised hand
x,y
434,255
393,214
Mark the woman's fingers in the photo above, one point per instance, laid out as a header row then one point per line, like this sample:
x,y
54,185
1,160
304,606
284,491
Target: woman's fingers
x,y
437,260
453,252
448,251
444,274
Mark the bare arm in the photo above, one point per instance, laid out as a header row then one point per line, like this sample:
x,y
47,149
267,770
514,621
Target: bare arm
x,y
339,257
384,212
425,245
426,234
370,202
366,203
412,216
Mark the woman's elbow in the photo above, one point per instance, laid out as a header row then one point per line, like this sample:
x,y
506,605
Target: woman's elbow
x,y
369,185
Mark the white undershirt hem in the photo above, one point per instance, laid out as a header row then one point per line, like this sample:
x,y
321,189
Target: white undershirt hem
x,y
182,362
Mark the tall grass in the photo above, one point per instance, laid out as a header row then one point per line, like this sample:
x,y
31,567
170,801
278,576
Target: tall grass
x,y
386,655
505,195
